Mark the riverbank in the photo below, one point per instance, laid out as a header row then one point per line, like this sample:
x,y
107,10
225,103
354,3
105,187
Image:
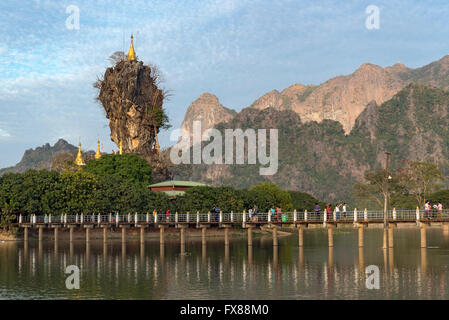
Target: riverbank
x,y
9,236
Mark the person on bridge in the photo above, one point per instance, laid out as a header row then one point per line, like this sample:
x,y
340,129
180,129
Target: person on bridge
x,y
427,208
278,213
272,212
344,210
216,212
255,211
440,209
328,210
337,211
317,210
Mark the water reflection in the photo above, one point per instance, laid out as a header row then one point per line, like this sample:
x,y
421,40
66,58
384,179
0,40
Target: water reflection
x,y
116,270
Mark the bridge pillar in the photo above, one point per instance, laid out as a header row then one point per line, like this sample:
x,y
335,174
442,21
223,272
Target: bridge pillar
x,y
301,236
56,233
250,236
275,236
25,234
390,236
226,227
87,235
142,234
105,234
330,236
71,233
41,232
250,255
275,257
161,235
423,260
183,238
123,234
361,242
203,235
361,259
423,236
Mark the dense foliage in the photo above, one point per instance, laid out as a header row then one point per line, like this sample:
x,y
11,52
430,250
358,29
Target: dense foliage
x,y
127,167
44,192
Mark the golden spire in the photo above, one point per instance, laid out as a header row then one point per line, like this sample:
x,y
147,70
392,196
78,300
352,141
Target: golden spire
x,y
131,53
121,147
79,158
98,154
156,143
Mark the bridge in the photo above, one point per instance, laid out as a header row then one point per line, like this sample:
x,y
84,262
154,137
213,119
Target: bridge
x,y
182,221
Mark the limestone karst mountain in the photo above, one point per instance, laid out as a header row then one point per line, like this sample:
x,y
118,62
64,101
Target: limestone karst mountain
x,y
343,98
321,159
207,109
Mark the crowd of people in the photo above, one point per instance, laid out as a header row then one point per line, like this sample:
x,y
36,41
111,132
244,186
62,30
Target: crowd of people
x,y
429,213
340,210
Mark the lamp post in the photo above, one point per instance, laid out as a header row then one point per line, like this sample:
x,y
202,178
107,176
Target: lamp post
x,y
386,189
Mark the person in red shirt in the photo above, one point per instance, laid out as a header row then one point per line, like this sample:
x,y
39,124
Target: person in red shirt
x,y
329,210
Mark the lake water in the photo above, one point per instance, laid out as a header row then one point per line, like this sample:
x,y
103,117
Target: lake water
x,y
114,271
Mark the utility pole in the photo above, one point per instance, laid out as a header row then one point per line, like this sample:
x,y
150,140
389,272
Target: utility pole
x,y
386,199
386,189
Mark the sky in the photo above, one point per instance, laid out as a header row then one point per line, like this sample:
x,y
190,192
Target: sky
x,y
235,49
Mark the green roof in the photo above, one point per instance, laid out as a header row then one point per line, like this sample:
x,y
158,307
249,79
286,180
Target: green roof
x,y
177,183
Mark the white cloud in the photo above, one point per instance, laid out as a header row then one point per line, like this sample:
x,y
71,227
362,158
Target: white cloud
x,y
4,134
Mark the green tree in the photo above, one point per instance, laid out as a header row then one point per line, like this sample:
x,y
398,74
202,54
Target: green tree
x,y
127,167
420,179
375,189
269,194
303,201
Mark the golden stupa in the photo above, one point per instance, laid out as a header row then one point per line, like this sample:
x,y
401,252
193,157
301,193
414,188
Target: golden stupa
x,y
121,147
131,52
98,153
79,158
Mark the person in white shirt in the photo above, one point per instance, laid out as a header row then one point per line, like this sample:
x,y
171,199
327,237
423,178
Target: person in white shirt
x,y
337,211
344,210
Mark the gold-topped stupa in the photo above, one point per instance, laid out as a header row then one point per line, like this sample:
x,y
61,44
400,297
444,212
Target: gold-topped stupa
x,y
121,147
79,158
98,153
131,52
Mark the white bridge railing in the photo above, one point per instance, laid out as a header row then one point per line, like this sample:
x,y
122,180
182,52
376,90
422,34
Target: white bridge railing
x,y
237,217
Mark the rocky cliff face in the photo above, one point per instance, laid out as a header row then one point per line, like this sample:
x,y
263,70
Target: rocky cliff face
x,y
207,109
133,105
343,98
321,159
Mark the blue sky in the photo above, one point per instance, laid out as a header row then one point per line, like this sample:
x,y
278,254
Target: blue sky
x,y
236,49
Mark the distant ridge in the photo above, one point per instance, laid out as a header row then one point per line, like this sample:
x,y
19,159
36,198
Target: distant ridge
x,y
41,157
